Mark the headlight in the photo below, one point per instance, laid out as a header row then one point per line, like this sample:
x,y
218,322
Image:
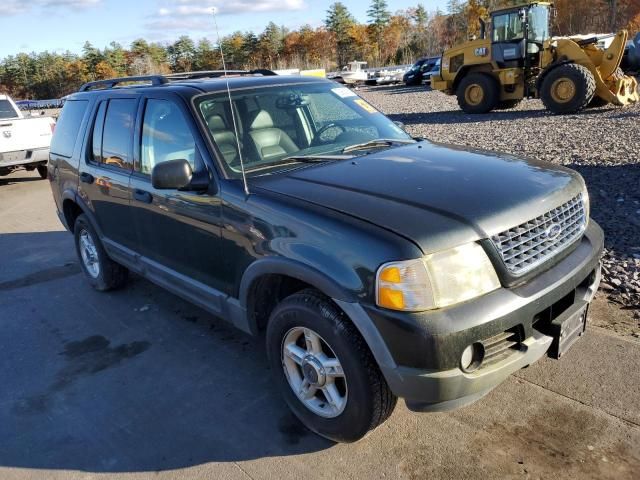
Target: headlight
x,y
436,281
585,202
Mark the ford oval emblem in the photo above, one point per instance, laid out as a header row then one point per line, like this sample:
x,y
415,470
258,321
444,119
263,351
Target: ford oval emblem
x,y
553,231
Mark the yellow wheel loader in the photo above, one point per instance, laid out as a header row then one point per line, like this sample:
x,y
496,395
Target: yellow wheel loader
x,y
515,58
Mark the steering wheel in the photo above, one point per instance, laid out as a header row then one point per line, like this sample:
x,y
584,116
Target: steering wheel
x,y
317,140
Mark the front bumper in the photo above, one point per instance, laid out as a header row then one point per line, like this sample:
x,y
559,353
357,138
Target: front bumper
x,y
419,354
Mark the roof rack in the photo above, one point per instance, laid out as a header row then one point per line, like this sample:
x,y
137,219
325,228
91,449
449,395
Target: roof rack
x,y
156,80
218,74
112,82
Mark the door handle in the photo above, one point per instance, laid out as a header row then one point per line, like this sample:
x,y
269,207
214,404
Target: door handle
x,y
86,177
142,196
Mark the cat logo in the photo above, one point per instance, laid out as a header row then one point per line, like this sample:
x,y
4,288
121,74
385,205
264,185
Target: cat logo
x,y
482,52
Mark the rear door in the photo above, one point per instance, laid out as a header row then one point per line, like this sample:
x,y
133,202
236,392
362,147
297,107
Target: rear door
x,y
106,171
179,231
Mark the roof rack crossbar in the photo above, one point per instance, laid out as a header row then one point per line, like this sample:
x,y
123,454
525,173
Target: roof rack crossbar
x,y
112,82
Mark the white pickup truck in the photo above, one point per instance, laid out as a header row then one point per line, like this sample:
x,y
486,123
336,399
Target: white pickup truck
x,y
24,141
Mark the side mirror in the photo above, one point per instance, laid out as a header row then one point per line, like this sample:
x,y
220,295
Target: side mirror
x,y
171,175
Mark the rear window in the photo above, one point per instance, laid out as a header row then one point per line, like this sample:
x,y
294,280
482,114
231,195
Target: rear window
x,y
7,110
68,127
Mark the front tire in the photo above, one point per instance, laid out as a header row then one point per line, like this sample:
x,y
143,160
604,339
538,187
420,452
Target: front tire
x,y
568,88
102,273
325,370
478,93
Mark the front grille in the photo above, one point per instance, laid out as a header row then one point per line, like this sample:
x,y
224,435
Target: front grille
x,y
532,243
501,346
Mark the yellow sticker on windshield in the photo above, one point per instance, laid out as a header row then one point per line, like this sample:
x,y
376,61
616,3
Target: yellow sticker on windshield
x,y
365,105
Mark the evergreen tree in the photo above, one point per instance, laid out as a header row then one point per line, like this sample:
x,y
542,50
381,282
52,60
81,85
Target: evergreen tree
x,y
339,22
379,18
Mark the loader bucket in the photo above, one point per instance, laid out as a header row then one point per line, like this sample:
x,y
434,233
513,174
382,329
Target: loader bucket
x,y
612,85
622,89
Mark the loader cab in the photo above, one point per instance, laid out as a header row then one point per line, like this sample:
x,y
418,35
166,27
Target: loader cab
x,y
518,35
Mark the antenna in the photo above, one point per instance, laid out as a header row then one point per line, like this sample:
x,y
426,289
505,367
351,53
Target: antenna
x,y
233,112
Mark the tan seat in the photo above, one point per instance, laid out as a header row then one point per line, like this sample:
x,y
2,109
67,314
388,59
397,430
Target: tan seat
x,y
268,140
224,139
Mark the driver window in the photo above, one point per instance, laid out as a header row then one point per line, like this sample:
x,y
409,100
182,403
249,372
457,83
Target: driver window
x,y
165,136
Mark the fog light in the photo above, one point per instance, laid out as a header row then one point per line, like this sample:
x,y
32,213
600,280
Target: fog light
x,y
472,357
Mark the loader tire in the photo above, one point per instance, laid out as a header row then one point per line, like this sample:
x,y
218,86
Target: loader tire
x,y
478,93
508,104
568,88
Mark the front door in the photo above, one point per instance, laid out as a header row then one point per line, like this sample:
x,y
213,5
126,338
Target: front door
x,y
508,47
106,172
178,231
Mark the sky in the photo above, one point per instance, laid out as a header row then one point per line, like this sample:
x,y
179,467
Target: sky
x,y
60,25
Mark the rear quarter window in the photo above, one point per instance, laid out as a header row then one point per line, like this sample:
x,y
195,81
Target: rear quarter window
x,y
68,127
7,110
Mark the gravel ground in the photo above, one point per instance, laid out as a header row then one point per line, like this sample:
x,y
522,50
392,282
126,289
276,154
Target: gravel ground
x,y
603,144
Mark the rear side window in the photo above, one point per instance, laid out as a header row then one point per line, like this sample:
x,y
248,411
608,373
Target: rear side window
x,y
96,136
7,110
68,127
113,147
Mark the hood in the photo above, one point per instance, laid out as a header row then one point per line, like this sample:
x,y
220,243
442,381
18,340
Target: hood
x,y
437,196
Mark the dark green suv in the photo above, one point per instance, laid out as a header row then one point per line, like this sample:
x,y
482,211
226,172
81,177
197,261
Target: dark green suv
x,y
376,265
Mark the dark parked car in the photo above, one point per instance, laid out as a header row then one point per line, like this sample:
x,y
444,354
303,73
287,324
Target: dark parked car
x,y
376,265
631,59
421,71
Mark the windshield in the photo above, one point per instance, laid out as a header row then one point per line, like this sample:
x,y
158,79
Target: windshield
x,y
416,66
278,125
508,27
7,110
538,23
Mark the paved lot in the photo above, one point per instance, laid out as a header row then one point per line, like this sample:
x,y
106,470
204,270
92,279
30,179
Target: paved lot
x,y
139,384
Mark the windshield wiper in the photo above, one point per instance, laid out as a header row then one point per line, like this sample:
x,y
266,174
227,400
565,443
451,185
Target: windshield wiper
x,y
377,143
314,158
299,159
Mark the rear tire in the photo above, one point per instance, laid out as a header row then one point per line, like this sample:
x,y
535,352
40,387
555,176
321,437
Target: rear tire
x,y
102,273
568,88
43,171
478,93
365,400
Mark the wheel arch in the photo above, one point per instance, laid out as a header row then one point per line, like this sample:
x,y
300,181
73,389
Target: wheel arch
x,y
269,280
299,277
72,207
464,71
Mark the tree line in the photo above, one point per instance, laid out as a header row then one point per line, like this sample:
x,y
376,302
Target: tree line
x,y
386,38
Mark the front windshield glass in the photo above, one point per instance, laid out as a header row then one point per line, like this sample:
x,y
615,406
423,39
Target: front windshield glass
x,y
538,23
311,120
508,27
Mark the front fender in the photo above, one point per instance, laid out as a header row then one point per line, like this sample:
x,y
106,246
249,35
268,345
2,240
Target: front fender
x,y
295,269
